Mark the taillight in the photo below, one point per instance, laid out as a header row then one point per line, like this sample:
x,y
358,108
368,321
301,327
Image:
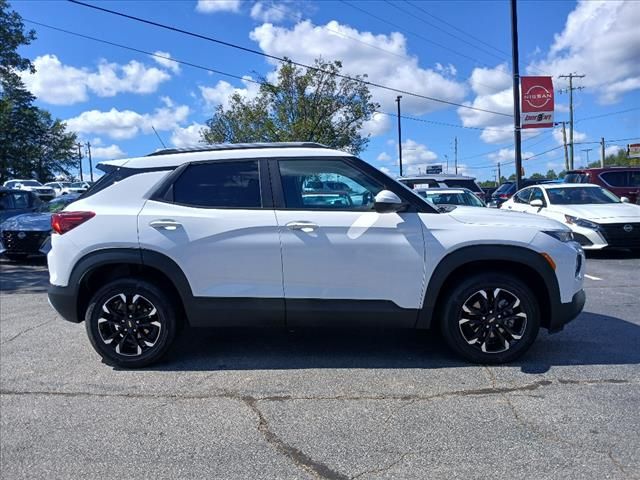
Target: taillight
x,y
503,196
64,221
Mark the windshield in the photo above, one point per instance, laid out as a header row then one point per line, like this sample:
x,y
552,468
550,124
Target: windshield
x,y
453,198
30,183
504,188
470,184
580,196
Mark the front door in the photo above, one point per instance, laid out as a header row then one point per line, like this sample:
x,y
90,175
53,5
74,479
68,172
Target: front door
x,y
342,261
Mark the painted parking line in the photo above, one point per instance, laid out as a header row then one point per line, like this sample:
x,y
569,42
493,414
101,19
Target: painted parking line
x,y
591,277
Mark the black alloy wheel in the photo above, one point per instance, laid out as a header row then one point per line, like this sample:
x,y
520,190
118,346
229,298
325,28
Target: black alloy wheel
x,y
490,318
130,323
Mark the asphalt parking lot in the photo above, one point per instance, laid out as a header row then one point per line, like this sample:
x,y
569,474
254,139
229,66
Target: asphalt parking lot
x,y
332,405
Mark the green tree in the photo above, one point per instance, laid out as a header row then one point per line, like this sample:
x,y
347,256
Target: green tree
x,y
32,143
618,159
536,176
311,105
551,174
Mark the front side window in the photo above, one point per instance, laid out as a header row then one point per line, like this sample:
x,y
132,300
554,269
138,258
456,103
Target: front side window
x,y
219,185
326,185
522,196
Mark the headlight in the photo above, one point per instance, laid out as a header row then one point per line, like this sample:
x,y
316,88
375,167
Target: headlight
x,y
581,222
561,235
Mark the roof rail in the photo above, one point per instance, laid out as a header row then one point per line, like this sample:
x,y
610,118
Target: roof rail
x,y
236,146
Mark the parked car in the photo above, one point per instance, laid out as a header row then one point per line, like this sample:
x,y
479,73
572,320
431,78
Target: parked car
x,y
622,181
78,187
60,188
44,193
30,233
597,217
450,197
505,191
222,236
443,180
14,202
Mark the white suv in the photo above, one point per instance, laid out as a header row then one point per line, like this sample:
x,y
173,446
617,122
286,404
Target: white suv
x,y
237,235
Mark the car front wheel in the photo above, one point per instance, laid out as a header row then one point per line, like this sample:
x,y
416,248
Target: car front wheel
x,y
130,323
490,318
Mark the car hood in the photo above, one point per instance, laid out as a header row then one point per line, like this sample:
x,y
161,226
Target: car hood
x,y
28,222
609,211
502,218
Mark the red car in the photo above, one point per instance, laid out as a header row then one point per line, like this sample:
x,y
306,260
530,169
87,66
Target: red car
x,y
623,181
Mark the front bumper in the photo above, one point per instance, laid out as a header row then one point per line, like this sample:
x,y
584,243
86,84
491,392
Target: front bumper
x,y
64,300
563,313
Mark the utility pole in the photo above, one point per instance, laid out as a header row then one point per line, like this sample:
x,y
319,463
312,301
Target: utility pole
x,y
80,159
516,93
570,90
455,149
564,141
446,157
90,162
399,134
602,152
587,150
499,175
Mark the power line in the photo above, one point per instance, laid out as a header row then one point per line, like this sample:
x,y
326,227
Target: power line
x,y
450,25
280,59
231,75
422,37
398,7
608,114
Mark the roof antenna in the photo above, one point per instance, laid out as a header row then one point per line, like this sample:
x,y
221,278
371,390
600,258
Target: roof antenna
x,y
156,132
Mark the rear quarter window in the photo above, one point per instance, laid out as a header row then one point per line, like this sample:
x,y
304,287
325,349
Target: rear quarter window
x,y
620,179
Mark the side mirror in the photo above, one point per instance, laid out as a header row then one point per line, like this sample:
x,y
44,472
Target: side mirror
x,y
537,203
387,202
624,199
17,186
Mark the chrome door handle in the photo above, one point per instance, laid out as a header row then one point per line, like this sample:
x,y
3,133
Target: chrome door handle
x,y
306,227
165,224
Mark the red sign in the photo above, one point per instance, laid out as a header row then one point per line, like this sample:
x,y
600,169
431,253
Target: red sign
x,y
537,102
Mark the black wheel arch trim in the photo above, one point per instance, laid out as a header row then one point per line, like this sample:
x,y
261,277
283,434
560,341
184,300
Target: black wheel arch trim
x,y
494,253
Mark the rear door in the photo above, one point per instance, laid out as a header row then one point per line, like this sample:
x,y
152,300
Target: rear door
x,y
342,261
216,222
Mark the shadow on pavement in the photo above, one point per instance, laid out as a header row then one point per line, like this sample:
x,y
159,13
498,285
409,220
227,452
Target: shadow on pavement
x,y
29,276
612,254
591,339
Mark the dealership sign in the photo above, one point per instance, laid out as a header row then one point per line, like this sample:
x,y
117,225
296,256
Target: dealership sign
x,y
537,102
633,150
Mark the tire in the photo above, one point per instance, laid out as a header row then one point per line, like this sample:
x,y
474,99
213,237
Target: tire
x,y
16,257
120,341
470,323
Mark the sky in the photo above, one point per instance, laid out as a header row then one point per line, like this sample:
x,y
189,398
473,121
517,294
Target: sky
x,y
455,51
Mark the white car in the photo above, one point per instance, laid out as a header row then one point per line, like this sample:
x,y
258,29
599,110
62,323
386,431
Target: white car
x,y
43,192
597,217
227,235
450,196
60,188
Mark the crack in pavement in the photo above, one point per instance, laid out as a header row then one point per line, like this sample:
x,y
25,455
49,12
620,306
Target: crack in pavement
x,y
386,468
535,431
296,455
27,330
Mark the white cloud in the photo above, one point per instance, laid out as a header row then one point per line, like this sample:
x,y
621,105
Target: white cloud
x,y
60,84
213,6
123,124
384,157
221,92
601,40
385,170
305,42
164,59
577,136
377,125
187,136
107,153
272,12
507,155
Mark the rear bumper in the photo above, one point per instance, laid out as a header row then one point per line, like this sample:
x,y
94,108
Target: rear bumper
x,y
64,301
563,313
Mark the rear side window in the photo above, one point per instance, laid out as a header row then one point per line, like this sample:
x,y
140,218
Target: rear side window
x,y
470,184
219,185
15,200
617,179
522,196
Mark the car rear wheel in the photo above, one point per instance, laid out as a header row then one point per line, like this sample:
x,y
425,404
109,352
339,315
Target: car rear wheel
x,y
490,318
130,323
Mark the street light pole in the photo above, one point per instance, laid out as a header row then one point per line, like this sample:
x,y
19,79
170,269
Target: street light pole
x,y
516,93
399,134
